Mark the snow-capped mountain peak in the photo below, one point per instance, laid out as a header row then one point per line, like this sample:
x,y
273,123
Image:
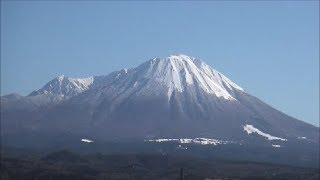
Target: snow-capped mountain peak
x,y
177,72
65,86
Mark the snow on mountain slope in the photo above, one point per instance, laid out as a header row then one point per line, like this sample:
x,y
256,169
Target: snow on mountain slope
x,y
251,129
65,86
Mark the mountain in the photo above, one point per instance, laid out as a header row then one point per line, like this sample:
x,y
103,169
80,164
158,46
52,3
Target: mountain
x,y
177,98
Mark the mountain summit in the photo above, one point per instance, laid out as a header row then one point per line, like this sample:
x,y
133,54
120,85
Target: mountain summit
x,y
178,72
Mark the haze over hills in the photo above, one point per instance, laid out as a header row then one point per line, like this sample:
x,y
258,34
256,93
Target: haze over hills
x,y
176,99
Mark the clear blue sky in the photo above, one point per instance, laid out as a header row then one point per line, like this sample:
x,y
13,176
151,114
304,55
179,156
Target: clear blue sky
x,y
270,48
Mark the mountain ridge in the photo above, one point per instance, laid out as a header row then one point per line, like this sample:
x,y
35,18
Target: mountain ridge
x,y
158,68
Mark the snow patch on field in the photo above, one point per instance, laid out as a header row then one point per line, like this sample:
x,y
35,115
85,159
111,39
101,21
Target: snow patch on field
x,y
87,140
276,145
302,137
201,141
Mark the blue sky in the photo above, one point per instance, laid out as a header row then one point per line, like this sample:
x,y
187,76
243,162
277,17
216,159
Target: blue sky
x,y
269,48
